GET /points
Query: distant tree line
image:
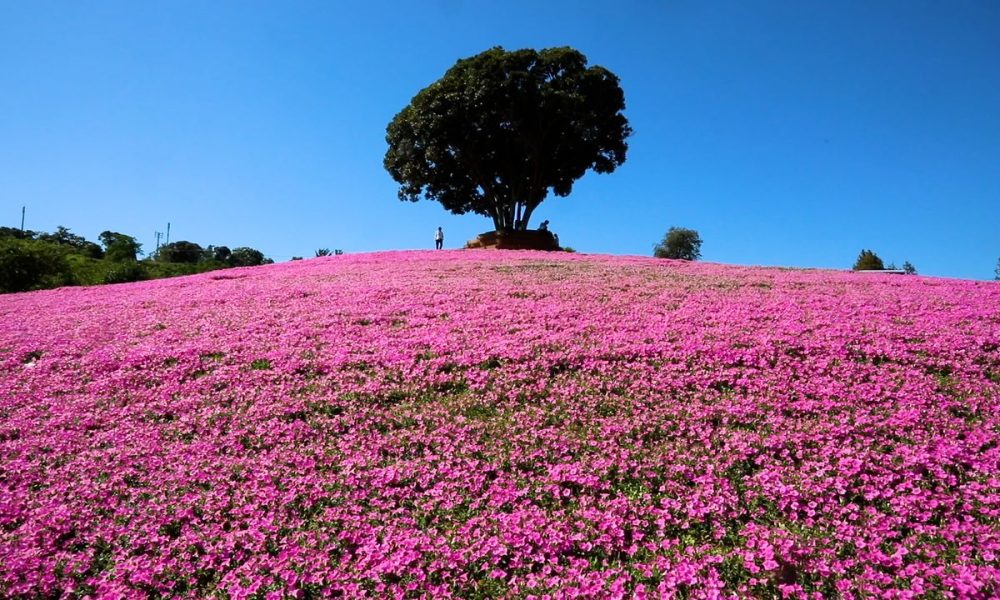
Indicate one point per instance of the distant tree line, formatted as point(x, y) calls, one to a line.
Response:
point(685, 244)
point(869, 261)
point(32, 260)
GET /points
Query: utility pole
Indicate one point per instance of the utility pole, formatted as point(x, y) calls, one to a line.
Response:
point(22, 218)
point(158, 236)
point(168, 232)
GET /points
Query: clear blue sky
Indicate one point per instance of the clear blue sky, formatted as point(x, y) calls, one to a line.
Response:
point(787, 133)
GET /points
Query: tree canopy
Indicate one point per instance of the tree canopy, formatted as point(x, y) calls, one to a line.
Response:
point(868, 261)
point(679, 243)
point(27, 264)
point(64, 237)
point(181, 252)
point(247, 257)
point(32, 260)
point(119, 247)
point(500, 129)
point(220, 253)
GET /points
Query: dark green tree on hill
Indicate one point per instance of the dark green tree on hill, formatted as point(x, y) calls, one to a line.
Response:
point(501, 129)
point(219, 253)
point(246, 257)
point(679, 243)
point(27, 264)
point(908, 268)
point(119, 247)
point(64, 237)
point(868, 261)
point(12, 232)
point(181, 252)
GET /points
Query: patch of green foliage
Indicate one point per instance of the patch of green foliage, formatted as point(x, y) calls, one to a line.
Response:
point(31, 260)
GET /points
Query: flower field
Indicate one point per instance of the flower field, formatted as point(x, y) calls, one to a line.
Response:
point(502, 424)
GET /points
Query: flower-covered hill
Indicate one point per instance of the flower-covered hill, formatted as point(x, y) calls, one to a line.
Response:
point(502, 424)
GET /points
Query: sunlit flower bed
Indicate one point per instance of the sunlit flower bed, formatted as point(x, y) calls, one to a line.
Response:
point(502, 424)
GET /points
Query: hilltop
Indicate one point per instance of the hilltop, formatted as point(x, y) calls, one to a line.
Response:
point(502, 424)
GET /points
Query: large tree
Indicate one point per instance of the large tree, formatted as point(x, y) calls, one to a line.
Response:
point(180, 252)
point(31, 264)
point(246, 257)
point(65, 237)
point(868, 261)
point(119, 247)
point(500, 129)
point(679, 243)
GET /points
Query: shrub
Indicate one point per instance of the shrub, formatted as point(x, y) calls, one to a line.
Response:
point(126, 272)
point(31, 265)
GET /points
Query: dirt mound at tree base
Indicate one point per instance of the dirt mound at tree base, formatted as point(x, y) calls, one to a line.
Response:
point(532, 239)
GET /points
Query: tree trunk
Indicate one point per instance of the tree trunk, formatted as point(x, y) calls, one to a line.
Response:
point(527, 215)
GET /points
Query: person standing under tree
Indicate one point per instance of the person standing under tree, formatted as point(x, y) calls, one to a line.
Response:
point(438, 239)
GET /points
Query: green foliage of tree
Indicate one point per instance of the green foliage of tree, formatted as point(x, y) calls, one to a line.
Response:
point(119, 247)
point(246, 257)
point(500, 129)
point(12, 232)
point(27, 264)
point(126, 272)
point(679, 243)
point(158, 269)
point(33, 260)
point(868, 261)
point(908, 268)
point(91, 250)
point(181, 252)
point(64, 237)
point(219, 253)
point(323, 252)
